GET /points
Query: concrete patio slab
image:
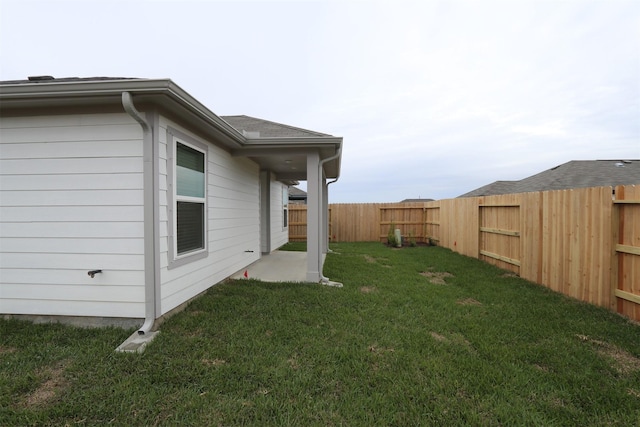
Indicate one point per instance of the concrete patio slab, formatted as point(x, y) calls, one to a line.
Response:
point(278, 266)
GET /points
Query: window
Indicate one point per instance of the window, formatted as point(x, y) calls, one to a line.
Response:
point(187, 194)
point(189, 199)
point(285, 207)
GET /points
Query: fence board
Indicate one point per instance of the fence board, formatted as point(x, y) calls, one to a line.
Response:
point(297, 222)
point(627, 251)
point(531, 232)
point(355, 222)
point(432, 221)
point(500, 232)
point(408, 217)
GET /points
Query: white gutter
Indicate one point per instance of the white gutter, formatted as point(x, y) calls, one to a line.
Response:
point(150, 279)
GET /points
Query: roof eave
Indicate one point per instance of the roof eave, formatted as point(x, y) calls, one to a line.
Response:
point(326, 147)
point(162, 92)
point(254, 146)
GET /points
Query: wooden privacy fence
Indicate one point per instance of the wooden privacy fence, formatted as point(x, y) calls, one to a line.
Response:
point(584, 243)
point(365, 222)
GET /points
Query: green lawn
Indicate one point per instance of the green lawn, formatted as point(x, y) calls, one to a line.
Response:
point(417, 336)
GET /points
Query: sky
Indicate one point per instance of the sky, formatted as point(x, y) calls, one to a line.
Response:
point(433, 98)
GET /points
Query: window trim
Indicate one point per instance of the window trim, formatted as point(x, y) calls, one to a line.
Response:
point(285, 207)
point(175, 137)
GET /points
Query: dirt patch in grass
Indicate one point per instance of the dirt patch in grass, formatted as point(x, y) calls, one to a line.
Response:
point(214, 362)
point(455, 338)
point(468, 301)
point(293, 362)
point(374, 260)
point(439, 337)
point(7, 350)
point(196, 332)
point(367, 289)
point(52, 385)
point(509, 275)
point(623, 361)
point(375, 349)
point(436, 277)
point(381, 356)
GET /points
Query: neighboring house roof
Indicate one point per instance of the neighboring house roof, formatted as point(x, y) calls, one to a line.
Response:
point(296, 193)
point(268, 129)
point(498, 187)
point(573, 174)
point(278, 148)
point(416, 200)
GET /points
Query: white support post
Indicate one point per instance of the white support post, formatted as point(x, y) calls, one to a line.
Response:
point(325, 215)
point(314, 203)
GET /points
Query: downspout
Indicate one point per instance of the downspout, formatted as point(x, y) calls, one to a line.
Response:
point(331, 158)
point(324, 279)
point(328, 184)
point(150, 291)
point(328, 159)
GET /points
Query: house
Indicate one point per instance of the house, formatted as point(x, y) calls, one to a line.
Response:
point(297, 196)
point(573, 174)
point(123, 198)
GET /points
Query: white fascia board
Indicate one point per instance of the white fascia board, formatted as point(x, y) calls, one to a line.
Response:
point(80, 88)
point(265, 146)
point(307, 140)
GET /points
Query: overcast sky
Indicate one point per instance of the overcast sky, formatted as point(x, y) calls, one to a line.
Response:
point(433, 98)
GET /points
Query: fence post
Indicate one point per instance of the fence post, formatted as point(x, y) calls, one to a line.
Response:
point(615, 258)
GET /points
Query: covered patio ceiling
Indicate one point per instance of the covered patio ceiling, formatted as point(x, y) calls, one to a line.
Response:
point(289, 163)
point(283, 149)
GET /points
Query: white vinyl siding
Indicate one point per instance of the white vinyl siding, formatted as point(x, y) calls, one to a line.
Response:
point(233, 230)
point(71, 200)
point(279, 233)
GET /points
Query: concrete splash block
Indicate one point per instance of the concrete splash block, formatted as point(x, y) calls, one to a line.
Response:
point(331, 283)
point(136, 343)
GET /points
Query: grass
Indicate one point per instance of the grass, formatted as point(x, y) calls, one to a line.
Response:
point(417, 336)
point(295, 246)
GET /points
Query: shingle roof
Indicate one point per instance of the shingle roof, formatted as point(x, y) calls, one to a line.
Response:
point(573, 174)
point(268, 129)
point(498, 187)
point(297, 193)
point(50, 79)
point(416, 200)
